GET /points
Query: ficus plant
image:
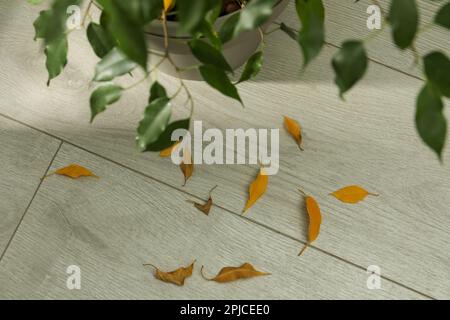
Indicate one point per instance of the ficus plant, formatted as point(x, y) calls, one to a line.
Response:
point(118, 39)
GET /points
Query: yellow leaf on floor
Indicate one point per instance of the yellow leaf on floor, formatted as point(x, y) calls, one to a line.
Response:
point(187, 165)
point(352, 194)
point(294, 128)
point(229, 274)
point(187, 169)
point(177, 276)
point(74, 171)
point(206, 207)
point(315, 220)
point(257, 189)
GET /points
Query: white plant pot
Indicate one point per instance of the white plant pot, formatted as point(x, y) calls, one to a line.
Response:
point(236, 51)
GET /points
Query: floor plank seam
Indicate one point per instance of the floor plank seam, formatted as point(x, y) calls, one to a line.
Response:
point(317, 248)
point(31, 201)
point(382, 64)
point(62, 141)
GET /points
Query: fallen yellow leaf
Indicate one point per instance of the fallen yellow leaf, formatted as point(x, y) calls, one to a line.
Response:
point(229, 274)
point(294, 128)
point(352, 194)
point(187, 165)
point(73, 171)
point(187, 169)
point(177, 276)
point(315, 220)
point(257, 189)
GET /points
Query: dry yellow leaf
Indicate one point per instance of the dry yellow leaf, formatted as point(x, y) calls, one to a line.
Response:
point(315, 220)
point(73, 171)
point(206, 207)
point(229, 274)
point(168, 151)
point(294, 128)
point(352, 194)
point(257, 189)
point(187, 165)
point(187, 169)
point(168, 5)
point(176, 277)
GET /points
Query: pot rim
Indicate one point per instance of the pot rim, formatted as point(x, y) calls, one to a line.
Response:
point(174, 24)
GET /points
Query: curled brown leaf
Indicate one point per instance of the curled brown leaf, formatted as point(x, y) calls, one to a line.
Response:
point(177, 276)
point(228, 274)
point(206, 207)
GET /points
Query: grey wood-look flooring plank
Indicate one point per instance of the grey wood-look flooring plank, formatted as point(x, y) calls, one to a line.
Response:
point(347, 20)
point(368, 140)
point(25, 155)
point(109, 227)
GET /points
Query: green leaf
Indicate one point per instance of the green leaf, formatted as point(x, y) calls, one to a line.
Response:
point(114, 64)
point(51, 24)
point(443, 16)
point(404, 19)
point(104, 96)
point(214, 12)
point(207, 54)
point(40, 24)
point(218, 79)
point(256, 13)
point(142, 11)
point(56, 53)
point(35, 1)
point(350, 65)
point(192, 13)
point(226, 32)
point(252, 67)
point(51, 27)
point(165, 139)
point(156, 118)
point(157, 91)
point(312, 35)
point(437, 70)
point(207, 30)
point(127, 33)
point(430, 120)
point(99, 39)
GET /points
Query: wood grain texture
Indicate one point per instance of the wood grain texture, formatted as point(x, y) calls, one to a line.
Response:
point(368, 140)
point(110, 226)
point(25, 155)
point(347, 20)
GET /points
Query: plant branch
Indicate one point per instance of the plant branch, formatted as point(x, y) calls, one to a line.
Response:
point(146, 75)
point(177, 69)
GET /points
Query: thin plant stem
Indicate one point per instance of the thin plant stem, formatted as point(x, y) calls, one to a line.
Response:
point(177, 69)
point(304, 249)
point(146, 75)
point(203, 275)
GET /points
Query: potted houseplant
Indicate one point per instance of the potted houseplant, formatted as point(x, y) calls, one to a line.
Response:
point(201, 39)
point(236, 51)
